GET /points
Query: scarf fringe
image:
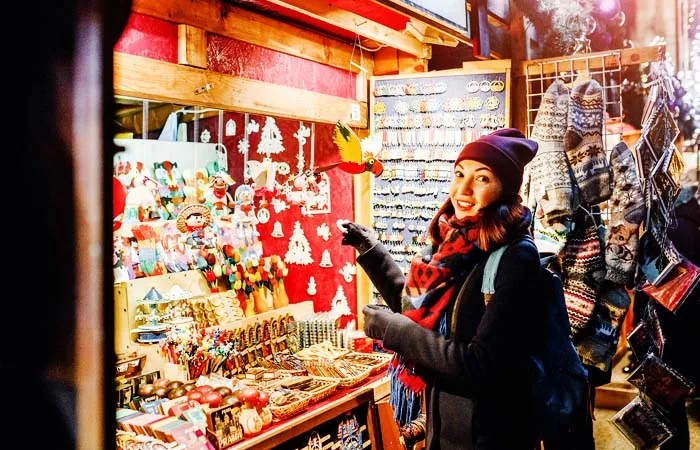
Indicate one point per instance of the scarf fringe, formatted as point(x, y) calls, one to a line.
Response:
point(406, 403)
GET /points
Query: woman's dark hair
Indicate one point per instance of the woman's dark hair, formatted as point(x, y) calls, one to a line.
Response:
point(499, 223)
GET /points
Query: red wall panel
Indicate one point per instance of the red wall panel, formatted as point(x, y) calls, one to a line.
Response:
point(226, 55)
point(150, 38)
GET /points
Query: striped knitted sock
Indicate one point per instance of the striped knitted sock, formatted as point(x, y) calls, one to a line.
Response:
point(583, 271)
point(583, 142)
point(626, 213)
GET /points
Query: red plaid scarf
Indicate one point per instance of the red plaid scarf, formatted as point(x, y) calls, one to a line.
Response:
point(429, 290)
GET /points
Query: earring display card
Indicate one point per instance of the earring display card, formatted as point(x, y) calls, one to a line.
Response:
point(642, 425)
point(660, 382)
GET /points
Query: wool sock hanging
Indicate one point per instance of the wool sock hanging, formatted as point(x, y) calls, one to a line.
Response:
point(583, 142)
point(549, 182)
point(627, 210)
point(599, 344)
point(583, 270)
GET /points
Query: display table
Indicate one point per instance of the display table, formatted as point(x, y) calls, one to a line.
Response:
point(344, 400)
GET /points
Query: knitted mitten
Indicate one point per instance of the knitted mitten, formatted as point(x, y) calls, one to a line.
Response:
point(549, 182)
point(582, 270)
point(583, 142)
point(627, 210)
point(598, 344)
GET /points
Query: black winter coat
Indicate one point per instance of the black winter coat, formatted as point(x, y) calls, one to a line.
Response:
point(478, 376)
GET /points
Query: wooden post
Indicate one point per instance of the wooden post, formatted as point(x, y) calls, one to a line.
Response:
point(191, 46)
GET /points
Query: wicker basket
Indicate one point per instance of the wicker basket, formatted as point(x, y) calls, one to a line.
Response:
point(326, 388)
point(284, 412)
point(349, 382)
point(375, 361)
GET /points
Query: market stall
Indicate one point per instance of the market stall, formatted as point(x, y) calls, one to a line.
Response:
point(236, 308)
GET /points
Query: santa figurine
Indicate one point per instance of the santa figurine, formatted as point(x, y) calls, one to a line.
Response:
point(217, 196)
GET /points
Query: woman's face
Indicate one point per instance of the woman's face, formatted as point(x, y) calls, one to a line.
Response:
point(473, 188)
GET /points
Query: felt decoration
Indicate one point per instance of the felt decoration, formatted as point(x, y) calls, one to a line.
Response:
point(352, 159)
point(549, 184)
point(627, 211)
point(583, 142)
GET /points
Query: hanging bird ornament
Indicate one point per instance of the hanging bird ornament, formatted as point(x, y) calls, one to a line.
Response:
point(352, 159)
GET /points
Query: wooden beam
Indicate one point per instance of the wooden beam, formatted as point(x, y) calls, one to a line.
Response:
point(139, 77)
point(480, 29)
point(191, 46)
point(327, 13)
point(247, 26)
point(592, 61)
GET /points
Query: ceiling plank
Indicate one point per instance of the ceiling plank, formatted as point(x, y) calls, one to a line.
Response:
point(325, 12)
point(247, 26)
point(140, 77)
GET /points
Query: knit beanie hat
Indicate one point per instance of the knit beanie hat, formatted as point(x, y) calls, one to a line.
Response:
point(583, 142)
point(506, 152)
point(550, 185)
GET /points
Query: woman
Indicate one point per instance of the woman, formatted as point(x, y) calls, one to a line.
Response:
point(467, 356)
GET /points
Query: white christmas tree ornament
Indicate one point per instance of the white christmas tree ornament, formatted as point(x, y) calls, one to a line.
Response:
point(323, 231)
point(339, 304)
point(299, 250)
point(271, 138)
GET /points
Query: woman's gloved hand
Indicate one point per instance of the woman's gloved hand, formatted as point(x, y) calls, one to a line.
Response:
point(378, 318)
point(358, 236)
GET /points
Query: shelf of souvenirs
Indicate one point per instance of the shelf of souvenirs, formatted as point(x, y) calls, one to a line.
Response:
point(248, 421)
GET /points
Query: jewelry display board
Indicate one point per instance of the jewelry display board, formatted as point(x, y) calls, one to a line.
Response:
point(423, 121)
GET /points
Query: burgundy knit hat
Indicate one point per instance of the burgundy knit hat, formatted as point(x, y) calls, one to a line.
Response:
point(506, 152)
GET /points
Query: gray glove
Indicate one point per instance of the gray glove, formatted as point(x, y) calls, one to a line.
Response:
point(377, 319)
point(359, 237)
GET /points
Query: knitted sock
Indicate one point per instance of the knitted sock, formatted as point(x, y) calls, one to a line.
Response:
point(626, 208)
point(583, 142)
point(599, 344)
point(549, 182)
point(582, 271)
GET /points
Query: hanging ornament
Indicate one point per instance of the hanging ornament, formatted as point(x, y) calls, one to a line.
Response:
point(205, 136)
point(347, 272)
point(323, 231)
point(311, 286)
point(271, 138)
point(326, 259)
point(301, 135)
point(230, 127)
point(277, 230)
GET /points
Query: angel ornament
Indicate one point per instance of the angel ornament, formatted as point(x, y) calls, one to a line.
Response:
point(217, 196)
